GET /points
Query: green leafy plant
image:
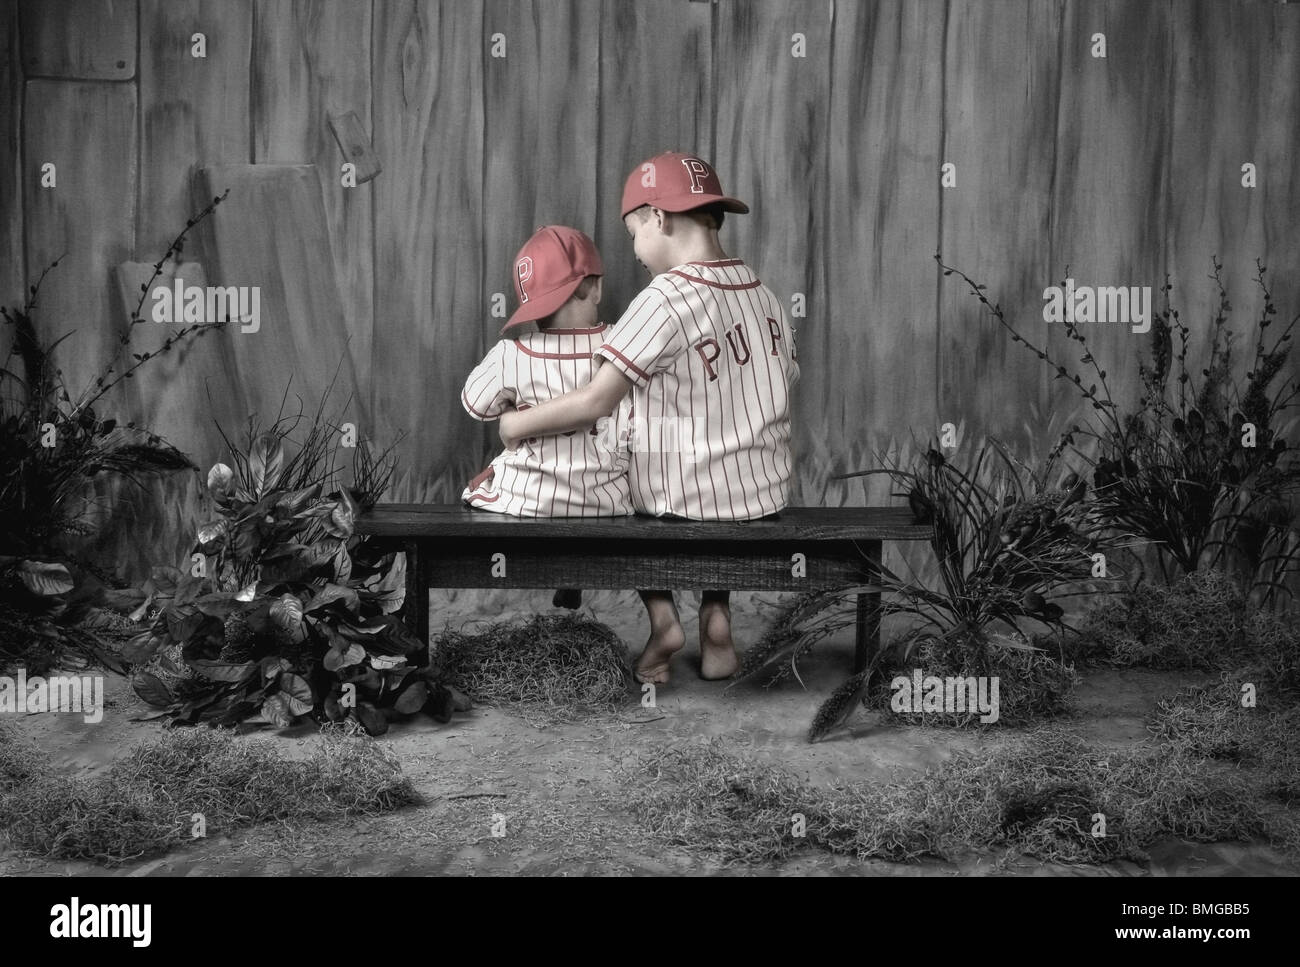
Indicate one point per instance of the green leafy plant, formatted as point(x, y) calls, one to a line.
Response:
point(1200, 469)
point(1007, 549)
point(292, 612)
point(52, 445)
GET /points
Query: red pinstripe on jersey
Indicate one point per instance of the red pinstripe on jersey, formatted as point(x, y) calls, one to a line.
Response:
point(697, 343)
point(571, 475)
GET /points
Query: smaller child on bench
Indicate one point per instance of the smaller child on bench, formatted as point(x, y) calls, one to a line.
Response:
point(557, 281)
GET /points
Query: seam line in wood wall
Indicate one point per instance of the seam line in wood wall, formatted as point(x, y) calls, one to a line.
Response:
point(373, 415)
point(480, 338)
point(939, 375)
point(712, 93)
point(598, 213)
point(16, 48)
point(139, 139)
point(252, 84)
point(824, 294)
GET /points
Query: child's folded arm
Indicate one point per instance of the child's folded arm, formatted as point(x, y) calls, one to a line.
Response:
point(485, 397)
point(575, 410)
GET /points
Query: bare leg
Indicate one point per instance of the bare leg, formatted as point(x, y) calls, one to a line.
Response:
point(717, 650)
point(666, 637)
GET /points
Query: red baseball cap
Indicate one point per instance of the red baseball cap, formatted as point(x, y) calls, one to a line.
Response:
point(548, 269)
point(676, 182)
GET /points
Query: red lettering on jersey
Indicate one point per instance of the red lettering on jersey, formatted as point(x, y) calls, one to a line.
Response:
point(734, 354)
point(709, 360)
point(774, 328)
point(696, 170)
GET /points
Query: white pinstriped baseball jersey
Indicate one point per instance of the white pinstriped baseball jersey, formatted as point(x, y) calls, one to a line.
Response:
point(708, 347)
point(577, 474)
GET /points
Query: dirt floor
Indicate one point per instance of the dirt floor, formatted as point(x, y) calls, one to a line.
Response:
point(554, 785)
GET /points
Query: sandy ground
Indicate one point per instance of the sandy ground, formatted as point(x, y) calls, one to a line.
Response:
point(553, 785)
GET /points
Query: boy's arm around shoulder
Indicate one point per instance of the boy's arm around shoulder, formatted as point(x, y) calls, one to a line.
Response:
point(575, 410)
point(485, 396)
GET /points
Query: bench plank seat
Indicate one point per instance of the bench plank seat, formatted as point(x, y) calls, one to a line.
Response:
point(452, 546)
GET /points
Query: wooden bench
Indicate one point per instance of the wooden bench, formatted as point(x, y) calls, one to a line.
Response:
point(451, 546)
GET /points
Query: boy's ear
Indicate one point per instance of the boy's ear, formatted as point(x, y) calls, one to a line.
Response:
point(596, 290)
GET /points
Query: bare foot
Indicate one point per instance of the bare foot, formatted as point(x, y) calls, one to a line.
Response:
point(717, 650)
point(653, 664)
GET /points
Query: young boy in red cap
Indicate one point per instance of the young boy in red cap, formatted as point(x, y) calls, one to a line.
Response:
point(581, 473)
point(705, 346)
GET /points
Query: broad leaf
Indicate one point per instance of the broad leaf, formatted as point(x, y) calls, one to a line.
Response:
point(152, 691)
point(265, 460)
point(331, 593)
point(371, 719)
point(212, 534)
point(342, 519)
point(224, 671)
point(142, 647)
point(297, 694)
point(221, 483)
point(337, 658)
point(139, 613)
point(412, 699)
point(219, 604)
point(287, 614)
point(45, 579)
point(275, 710)
point(272, 667)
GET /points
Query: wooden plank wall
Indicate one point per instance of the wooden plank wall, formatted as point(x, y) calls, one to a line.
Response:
point(1123, 169)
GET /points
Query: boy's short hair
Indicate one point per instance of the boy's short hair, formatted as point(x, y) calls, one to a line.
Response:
point(706, 216)
point(581, 292)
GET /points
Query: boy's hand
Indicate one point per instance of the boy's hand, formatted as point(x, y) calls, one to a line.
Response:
point(504, 427)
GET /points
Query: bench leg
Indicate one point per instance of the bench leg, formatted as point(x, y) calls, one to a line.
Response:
point(867, 624)
point(415, 607)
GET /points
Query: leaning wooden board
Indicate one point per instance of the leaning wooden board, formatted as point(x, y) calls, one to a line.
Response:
point(271, 233)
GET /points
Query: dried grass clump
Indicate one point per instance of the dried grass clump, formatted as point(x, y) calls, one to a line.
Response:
point(143, 805)
point(1036, 796)
point(551, 668)
point(1033, 686)
point(1212, 723)
point(1199, 622)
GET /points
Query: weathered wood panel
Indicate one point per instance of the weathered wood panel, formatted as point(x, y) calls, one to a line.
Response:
point(1279, 35)
point(871, 373)
point(772, 114)
point(311, 60)
point(1110, 197)
point(656, 65)
point(1235, 102)
point(270, 234)
point(87, 217)
point(79, 39)
point(674, 566)
point(194, 112)
point(87, 130)
point(429, 66)
point(811, 524)
point(999, 97)
point(12, 170)
point(542, 104)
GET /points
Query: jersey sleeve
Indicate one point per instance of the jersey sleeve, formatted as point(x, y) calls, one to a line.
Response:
point(646, 339)
point(485, 396)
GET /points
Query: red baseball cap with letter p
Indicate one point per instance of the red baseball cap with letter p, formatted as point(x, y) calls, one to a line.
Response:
point(676, 182)
point(548, 269)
